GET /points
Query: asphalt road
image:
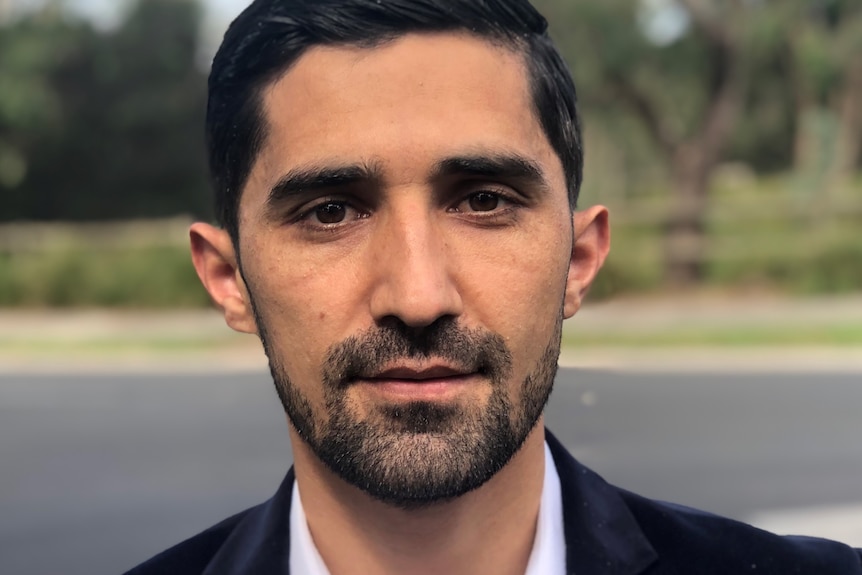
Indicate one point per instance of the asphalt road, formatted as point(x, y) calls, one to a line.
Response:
point(99, 472)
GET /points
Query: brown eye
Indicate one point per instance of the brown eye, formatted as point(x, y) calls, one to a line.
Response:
point(484, 202)
point(331, 213)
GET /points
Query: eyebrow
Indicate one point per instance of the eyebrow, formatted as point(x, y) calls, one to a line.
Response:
point(306, 180)
point(494, 166)
point(309, 180)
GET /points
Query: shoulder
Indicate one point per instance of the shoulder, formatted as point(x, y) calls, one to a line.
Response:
point(252, 541)
point(683, 536)
point(192, 556)
point(606, 525)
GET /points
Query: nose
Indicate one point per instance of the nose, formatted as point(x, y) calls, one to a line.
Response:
point(413, 272)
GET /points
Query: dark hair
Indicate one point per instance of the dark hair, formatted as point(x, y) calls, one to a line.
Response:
point(270, 35)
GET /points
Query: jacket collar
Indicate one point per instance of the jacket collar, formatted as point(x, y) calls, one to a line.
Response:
point(602, 536)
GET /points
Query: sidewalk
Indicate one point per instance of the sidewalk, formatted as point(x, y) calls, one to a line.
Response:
point(718, 310)
point(111, 340)
point(618, 335)
point(718, 332)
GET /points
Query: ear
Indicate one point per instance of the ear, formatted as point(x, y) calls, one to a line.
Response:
point(592, 242)
point(215, 261)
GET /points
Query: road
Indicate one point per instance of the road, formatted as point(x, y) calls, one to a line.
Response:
point(101, 471)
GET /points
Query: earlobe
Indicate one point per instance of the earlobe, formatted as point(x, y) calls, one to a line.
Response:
point(215, 262)
point(590, 248)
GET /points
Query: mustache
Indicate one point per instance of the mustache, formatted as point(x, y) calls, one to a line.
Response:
point(366, 354)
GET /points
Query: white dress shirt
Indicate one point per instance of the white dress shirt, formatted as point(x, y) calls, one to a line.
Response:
point(548, 556)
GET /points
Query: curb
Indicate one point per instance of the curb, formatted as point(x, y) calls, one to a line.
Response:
point(248, 357)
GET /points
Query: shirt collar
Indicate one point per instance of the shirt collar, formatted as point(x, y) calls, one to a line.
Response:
point(548, 556)
point(549, 547)
point(305, 559)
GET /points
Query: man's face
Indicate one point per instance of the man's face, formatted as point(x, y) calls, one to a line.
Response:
point(405, 244)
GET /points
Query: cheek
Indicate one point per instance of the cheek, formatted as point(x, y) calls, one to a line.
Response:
point(520, 290)
point(296, 305)
point(532, 314)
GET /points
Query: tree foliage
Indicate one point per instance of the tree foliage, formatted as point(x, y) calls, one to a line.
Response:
point(103, 125)
point(824, 44)
point(740, 81)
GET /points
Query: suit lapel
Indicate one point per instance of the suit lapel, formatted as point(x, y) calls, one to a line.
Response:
point(261, 542)
point(602, 536)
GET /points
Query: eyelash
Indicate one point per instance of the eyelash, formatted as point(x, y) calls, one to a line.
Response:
point(308, 214)
point(505, 198)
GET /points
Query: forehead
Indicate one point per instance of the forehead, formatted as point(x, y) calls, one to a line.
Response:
point(403, 105)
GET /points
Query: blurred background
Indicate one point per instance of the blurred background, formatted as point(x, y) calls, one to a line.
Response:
point(724, 135)
point(717, 362)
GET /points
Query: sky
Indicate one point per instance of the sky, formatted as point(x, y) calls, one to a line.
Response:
point(108, 12)
point(663, 21)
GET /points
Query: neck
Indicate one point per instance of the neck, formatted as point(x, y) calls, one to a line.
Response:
point(489, 530)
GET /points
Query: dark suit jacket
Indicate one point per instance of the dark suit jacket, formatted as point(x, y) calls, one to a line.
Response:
point(609, 531)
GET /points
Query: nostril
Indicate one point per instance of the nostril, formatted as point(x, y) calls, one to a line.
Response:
point(414, 295)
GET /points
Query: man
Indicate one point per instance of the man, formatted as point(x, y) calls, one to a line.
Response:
point(397, 182)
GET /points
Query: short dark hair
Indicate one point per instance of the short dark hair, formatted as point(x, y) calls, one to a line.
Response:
point(270, 35)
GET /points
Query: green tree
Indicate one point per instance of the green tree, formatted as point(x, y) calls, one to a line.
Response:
point(824, 40)
point(123, 130)
point(30, 107)
point(688, 96)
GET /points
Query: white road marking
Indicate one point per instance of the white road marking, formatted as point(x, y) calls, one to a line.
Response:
point(839, 522)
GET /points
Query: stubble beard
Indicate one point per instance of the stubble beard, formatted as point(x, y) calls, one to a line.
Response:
point(416, 454)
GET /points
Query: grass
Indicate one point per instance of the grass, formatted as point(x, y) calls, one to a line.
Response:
point(728, 337)
point(46, 351)
point(102, 345)
point(849, 335)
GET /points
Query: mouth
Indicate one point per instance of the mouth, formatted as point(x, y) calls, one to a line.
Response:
point(421, 383)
